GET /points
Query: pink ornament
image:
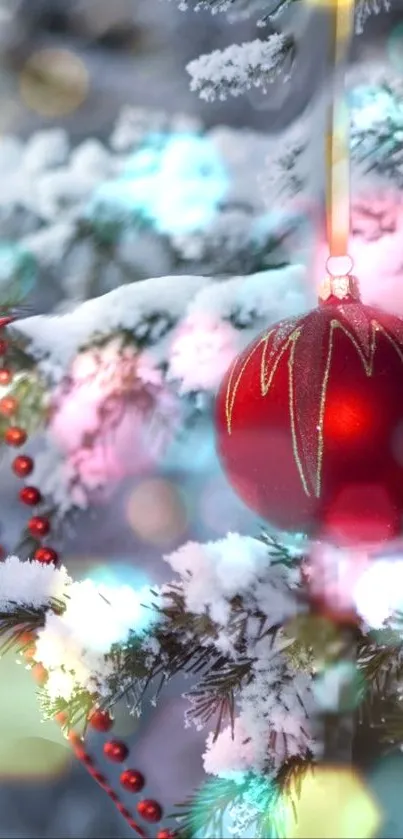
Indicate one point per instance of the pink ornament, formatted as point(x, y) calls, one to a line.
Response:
point(112, 416)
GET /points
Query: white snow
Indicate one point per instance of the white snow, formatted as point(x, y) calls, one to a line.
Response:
point(238, 67)
point(55, 339)
point(30, 583)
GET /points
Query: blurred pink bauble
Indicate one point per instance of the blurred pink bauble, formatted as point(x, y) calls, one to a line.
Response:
point(112, 417)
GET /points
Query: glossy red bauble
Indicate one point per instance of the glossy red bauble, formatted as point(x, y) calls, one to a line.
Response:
point(166, 834)
point(15, 436)
point(39, 526)
point(23, 466)
point(132, 780)
point(116, 751)
point(149, 810)
point(30, 496)
point(310, 424)
point(46, 555)
point(100, 720)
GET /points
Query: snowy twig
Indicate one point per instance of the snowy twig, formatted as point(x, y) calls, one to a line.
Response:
point(238, 68)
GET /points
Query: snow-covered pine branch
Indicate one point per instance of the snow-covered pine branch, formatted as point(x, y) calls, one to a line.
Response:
point(238, 68)
point(365, 8)
point(30, 585)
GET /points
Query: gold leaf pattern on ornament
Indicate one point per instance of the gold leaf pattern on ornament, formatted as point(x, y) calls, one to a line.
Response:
point(234, 379)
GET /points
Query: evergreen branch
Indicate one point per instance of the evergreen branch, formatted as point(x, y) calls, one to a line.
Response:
point(262, 802)
point(203, 813)
point(281, 554)
point(380, 665)
point(238, 68)
point(15, 625)
point(214, 695)
point(69, 714)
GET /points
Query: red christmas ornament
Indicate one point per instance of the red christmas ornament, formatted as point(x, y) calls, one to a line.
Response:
point(166, 834)
point(23, 466)
point(100, 720)
point(132, 780)
point(46, 555)
point(15, 436)
point(5, 376)
point(116, 750)
point(310, 421)
point(149, 810)
point(30, 496)
point(39, 526)
point(8, 406)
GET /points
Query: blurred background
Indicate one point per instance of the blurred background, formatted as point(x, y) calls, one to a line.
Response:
point(72, 65)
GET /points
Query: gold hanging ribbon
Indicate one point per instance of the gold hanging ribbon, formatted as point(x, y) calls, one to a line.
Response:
point(338, 136)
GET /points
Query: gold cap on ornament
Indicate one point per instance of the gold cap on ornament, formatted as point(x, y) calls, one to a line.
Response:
point(342, 288)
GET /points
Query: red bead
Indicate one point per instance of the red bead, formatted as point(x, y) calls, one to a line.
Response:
point(61, 718)
point(30, 496)
point(46, 555)
point(116, 751)
point(23, 465)
point(132, 780)
point(39, 526)
point(166, 834)
point(40, 674)
point(3, 347)
point(8, 406)
point(149, 810)
point(100, 720)
point(5, 376)
point(15, 436)
point(309, 424)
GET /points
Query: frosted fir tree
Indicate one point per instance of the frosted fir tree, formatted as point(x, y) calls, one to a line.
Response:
point(263, 669)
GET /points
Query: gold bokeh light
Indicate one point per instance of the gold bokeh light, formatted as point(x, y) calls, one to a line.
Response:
point(54, 82)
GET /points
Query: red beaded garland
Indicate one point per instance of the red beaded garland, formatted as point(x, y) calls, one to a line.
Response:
point(8, 406)
point(30, 496)
point(39, 526)
point(22, 466)
point(5, 376)
point(15, 436)
point(149, 810)
point(46, 555)
point(132, 780)
point(100, 720)
point(116, 751)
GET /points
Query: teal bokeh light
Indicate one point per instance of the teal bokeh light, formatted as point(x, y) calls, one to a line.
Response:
point(174, 183)
point(18, 273)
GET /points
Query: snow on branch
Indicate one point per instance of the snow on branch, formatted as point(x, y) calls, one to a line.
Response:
point(30, 585)
point(238, 68)
point(365, 8)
